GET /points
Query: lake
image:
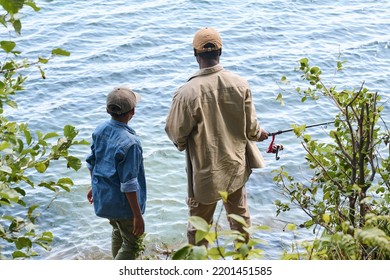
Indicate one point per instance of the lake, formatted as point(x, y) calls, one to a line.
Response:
point(147, 45)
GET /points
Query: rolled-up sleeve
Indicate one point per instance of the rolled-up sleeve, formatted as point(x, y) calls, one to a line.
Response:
point(128, 169)
point(130, 186)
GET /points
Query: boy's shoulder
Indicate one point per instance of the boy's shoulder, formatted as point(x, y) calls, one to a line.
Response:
point(116, 129)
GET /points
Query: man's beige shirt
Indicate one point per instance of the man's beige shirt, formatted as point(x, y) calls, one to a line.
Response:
point(212, 116)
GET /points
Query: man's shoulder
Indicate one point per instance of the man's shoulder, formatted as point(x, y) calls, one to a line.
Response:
point(187, 91)
point(234, 76)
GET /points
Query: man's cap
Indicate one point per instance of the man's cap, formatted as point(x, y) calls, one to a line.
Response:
point(121, 100)
point(206, 36)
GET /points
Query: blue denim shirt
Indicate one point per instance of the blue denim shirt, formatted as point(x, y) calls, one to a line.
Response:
point(117, 167)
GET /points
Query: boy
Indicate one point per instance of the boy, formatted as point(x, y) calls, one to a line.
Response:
point(117, 173)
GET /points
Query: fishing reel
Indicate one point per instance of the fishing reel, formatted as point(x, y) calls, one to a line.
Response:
point(274, 148)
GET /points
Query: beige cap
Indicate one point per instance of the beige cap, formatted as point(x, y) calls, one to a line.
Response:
point(121, 100)
point(205, 36)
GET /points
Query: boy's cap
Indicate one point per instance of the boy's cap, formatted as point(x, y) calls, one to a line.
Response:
point(206, 36)
point(121, 100)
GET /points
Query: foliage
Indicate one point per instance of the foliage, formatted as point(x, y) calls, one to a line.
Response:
point(347, 198)
point(25, 155)
point(242, 249)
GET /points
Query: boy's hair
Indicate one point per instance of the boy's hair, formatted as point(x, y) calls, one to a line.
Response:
point(114, 115)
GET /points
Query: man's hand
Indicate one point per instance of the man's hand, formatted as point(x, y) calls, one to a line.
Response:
point(263, 135)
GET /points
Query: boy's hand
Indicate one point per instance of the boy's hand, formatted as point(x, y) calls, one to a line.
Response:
point(139, 225)
point(89, 196)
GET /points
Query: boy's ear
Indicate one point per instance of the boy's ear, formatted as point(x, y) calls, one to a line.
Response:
point(132, 112)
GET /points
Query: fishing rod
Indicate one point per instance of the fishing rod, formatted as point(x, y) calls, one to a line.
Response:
point(288, 130)
point(275, 148)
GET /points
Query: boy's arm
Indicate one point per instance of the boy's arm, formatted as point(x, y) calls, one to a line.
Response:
point(89, 194)
point(138, 220)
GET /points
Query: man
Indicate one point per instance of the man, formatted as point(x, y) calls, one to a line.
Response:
point(213, 118)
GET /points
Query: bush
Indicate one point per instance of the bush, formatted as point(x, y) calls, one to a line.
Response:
point(347, 198)
point(25, 155)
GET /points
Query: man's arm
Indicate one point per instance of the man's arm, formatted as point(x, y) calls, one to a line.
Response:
point(253, 130)
point(179, 124)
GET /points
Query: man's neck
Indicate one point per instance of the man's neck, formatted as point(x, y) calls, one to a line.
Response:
point(203, 63)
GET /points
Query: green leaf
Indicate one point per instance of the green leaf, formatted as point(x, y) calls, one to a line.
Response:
point(199, 252)
point(65, 181)
point(238, 218)
point(31, 209)
point(60, 52)
point(284, 80)
point(27, 134)
point(254, 241)
point(199, 223)
point(32, 5)
point(23, 242)
point(244, 249)
point(291, 227)
point(254, 229)
point(12, 6)
point(224, 196)
point(200, 235)
point(6, 169)
point(19, 254)
point(4, 145)
point(47, 236)
point(43, 60)
point(48, 185)
point(41, 166)
point(17, 26)
point(9, 194)
point(7, 46)
point(279, 98)
point(182, 253)
point(211, 236)
point(326, 218)
point(82, 142)
point(216, 253)
point(50, 135)
point(70, 131)
point(73, 162)
point(315, 70)
point(42, 72)
point(9, 66)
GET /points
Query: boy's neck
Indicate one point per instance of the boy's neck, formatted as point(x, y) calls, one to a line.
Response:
point(122, 119)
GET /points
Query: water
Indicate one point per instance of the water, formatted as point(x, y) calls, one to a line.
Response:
point(147, 45)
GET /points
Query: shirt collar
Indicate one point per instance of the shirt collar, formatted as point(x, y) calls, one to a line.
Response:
point(121, 124)
point(207, 71)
